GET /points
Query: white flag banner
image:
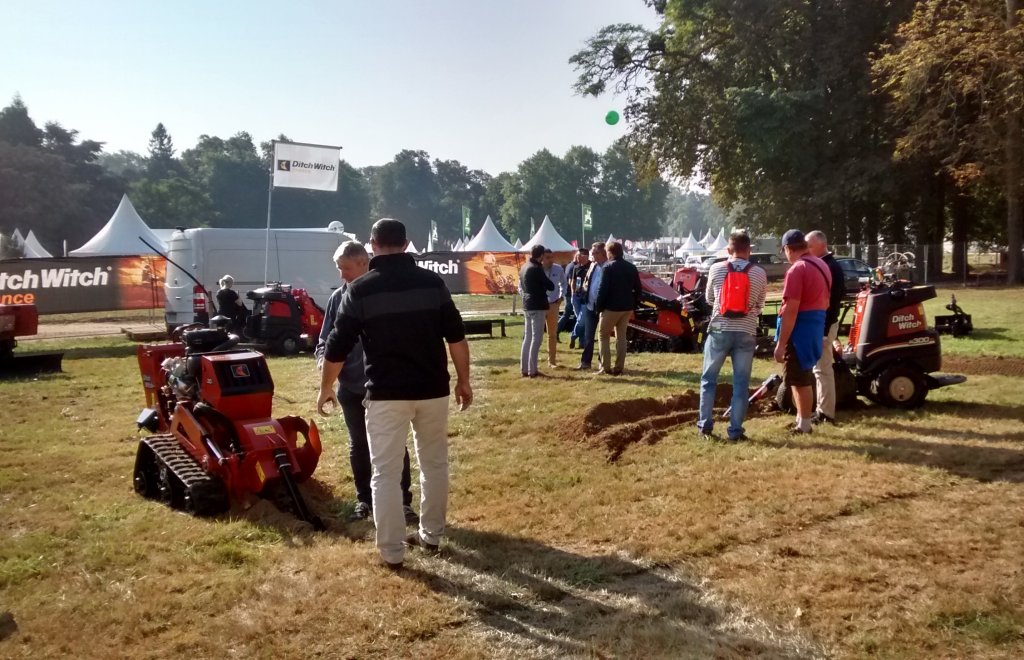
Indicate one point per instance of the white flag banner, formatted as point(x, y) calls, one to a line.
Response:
point(306, 166)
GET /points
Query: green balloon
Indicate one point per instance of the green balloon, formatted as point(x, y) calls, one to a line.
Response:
point(611, 118)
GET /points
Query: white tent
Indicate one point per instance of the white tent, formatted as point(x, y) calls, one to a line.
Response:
point(488, 239)
point(17, 237)
point(33, 249)
point(549, 237)
point(458, 246)
point(719, 243)
point(518, 244)
point(121, 235)
point(611, 239)
point(708, 239)
point(412, 248)
point(691, 244)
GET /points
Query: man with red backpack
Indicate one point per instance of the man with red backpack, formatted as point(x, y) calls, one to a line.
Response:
point(735, 290)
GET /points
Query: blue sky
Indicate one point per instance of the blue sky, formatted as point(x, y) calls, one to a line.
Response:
point(484, 82)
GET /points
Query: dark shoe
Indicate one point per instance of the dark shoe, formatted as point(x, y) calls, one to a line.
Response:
point(362, 511)
point(537, 375)
point(414, 540)
point(822, 418)
point(572, 344)
point(583, 367)
point(396, 567)
point(616, 372)
point(411, 518)
point(742, 437)
point(707, 437)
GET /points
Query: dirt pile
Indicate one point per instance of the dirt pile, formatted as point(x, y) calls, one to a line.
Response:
point(615, 425)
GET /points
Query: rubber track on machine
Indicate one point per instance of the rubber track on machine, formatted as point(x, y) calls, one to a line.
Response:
point(207, 491)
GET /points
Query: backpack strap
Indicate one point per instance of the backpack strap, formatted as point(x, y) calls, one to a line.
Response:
point(817, 268)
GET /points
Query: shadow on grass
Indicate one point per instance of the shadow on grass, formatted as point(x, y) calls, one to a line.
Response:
point(539, 599)
point(983, 464)
point(987, 333)
point(971, 410)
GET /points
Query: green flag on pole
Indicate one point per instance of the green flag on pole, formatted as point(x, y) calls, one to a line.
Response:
point(533, 229)
point(466, 228)
point(588, 216)
point(433, 230)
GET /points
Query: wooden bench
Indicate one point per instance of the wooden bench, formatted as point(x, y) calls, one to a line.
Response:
point(483, 326)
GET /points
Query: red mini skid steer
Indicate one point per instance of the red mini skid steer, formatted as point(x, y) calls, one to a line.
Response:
point(217, 441)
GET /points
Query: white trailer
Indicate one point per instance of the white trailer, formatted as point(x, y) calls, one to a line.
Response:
point(300, 257)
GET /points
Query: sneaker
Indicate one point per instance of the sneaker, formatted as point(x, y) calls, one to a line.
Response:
point(822, 418)
point(707, 437)
point(616, 372)
point(414, 540)
point(796, 430)
point(583, 367)
point(742, 437)
point(411, 517)
point(392, 566)
point(572, 343)
point(362, 511)
point(553, 365)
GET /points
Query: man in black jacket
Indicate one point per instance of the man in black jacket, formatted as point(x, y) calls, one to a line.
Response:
point(617, 297)
point(534, 285)
point(404, 315)
point(824, 372)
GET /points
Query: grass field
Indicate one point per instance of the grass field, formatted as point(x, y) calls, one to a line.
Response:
point(574, 532)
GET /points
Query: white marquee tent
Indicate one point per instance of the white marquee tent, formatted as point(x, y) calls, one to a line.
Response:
point(549, 237)
point(120, 236)
point(488, 239)
point(458, 246)
point(518, 244)
point(33, 248)
point(719, 243)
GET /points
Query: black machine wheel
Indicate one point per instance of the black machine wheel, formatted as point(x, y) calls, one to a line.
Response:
point(900, 386)
point(289, 344)
point(784, 396)
point(145, 478)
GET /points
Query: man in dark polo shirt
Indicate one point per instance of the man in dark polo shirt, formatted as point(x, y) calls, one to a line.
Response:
point(403, 314)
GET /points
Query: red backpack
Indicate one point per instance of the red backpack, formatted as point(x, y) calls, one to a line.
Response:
point(732, 303)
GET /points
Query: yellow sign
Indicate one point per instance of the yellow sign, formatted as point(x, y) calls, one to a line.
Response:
point(264, 429)
point(259, 473)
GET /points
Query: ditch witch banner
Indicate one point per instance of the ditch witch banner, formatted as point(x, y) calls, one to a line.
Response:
point(476, 272)
point(87, 284)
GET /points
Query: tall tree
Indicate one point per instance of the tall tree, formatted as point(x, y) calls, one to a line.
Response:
point(16, 127)
point(406, 189)
point(955, 74)
point(161, 163)
point(769, 102)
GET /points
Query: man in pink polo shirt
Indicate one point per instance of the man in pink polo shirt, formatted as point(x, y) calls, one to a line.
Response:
point(805, 297)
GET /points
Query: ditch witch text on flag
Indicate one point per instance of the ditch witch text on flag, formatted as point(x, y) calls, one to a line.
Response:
point(306, 166)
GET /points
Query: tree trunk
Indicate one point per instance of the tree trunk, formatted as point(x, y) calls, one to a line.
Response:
point(1014, 170)
point(962, 212)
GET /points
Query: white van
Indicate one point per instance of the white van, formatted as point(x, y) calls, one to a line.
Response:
point(300, 257)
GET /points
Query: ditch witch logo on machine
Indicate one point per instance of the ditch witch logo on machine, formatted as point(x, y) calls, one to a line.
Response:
point(906, 321)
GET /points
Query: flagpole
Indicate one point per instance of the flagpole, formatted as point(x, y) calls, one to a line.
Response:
point(270, 199)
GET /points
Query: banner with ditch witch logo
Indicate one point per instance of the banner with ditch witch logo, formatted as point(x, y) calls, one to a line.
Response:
point(476, 272)
point(86, 284)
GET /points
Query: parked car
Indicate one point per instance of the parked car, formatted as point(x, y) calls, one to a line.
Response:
point(775, 267)
point(856, 273)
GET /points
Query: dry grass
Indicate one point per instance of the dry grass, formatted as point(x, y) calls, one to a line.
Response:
point(896, 534)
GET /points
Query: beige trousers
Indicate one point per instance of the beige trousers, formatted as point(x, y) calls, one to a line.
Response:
point(616, 322)
point(825, 375)
point(551, 325)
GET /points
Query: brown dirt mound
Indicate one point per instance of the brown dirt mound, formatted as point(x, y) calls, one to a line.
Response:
point(615, 425)
point(984, 366)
